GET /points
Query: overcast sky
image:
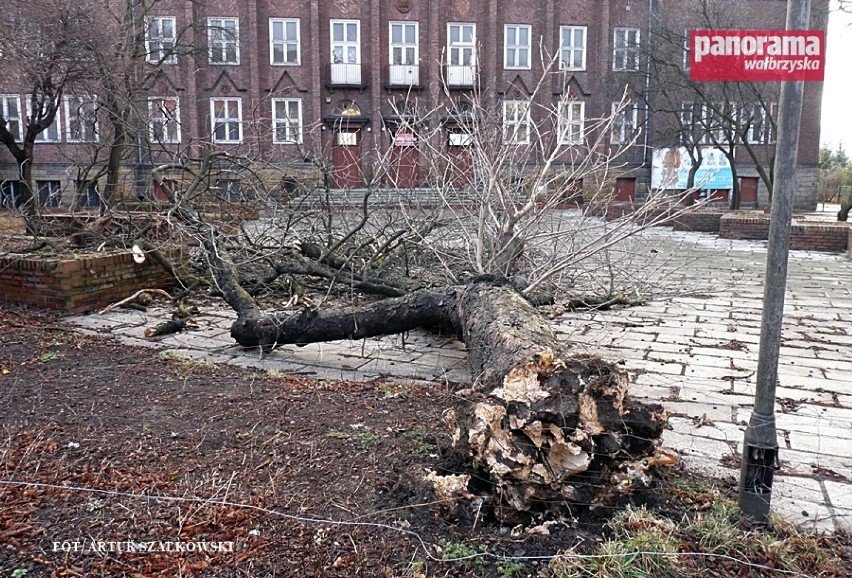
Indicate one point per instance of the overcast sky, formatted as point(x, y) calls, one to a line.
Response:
point(837, 91)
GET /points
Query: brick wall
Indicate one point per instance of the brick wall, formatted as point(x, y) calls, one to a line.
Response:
point(744, 226)
point(829, 237)
point(849, 244)
point(702, 221)
point(615, 211)
point(82, 283)
point(823, 237)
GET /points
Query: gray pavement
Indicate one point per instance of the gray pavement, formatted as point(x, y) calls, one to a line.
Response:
point(694, 350)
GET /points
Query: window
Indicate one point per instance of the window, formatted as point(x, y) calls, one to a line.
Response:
point(624, 123)
point(572, 48)
point(10, 194)
point(89, 192)
point(571, 122)
point(229, 190)
point(81, 118)
point(160, 39)
point(52, 133)
point(517, 46)
point(49, 193)
point(346, 41)
point(286, 120)
point(403, 43)
point(165, 119)
point(224, 36)
point(284, 41)
point(460, 139)
point(759, 124)
point(516, 122)
point(461, 44)
point(404, 69)
point(689, 123)
point(716, 120)
point(10, 109)
point(227, 119)
point(625, 52)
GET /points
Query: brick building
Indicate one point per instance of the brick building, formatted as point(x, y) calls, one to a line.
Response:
point(346, 81)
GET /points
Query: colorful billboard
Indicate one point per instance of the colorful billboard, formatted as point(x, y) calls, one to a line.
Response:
point(670, 169)
point(756, 55)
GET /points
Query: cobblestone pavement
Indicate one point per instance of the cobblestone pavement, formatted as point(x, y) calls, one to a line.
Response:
point(695, 351)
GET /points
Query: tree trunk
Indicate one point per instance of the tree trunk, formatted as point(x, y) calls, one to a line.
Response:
point(845, 204)
point(548, 428)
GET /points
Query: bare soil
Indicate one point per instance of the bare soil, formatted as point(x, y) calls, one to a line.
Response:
point(102, 442)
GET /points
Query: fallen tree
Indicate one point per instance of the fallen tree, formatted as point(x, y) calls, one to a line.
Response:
point(548, 427)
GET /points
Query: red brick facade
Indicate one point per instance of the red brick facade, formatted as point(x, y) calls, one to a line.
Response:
point(253, 85)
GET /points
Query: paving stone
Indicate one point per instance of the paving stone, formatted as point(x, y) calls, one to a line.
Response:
point(800, 501)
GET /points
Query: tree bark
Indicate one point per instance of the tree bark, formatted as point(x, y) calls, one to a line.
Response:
point(548, 428)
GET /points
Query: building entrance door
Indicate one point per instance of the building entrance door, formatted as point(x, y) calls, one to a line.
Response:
point(748, 192)
point(625, 190)
point(346, 160)
point(461, 163)
point(404, 160)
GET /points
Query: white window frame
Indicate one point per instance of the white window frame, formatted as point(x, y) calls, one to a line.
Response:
point(689, 123)
point(291, 126)
point(285, 42)
point(54, 194)
point(226, 120)
point(456, 51)
point(515, 119)
point(623, 132)
point(345, 44)
point(217, 26)
point(69, 118)
point(51, 134)
point(766, 134)
point(571, 63)
point(517, 48)
point(160, 48)
point(573, 122)
point(625, 55)
point(403, 46)
point(18, 118)
point(160, 116)
point(713, 130)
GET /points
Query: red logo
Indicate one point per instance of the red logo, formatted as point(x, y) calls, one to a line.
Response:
point(757, 55)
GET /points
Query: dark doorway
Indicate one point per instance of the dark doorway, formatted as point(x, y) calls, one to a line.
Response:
point(625, 190)
point(748, 191)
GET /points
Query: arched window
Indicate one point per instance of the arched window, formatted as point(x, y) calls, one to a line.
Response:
point(347, 108)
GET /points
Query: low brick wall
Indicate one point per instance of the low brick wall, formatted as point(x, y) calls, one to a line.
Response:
point(828, 237)
point(615, 211)
point(744, 226)
point(125, 225)
point(80, 284)
point(702, 221)
point(849, 244)
point(832, 238)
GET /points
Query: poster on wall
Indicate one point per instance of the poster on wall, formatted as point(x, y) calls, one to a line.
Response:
point(670, 169)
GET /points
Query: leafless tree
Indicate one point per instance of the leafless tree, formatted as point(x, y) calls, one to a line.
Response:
point(727, 116)
point(45, 46)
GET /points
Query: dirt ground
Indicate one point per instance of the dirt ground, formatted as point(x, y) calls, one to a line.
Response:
point(285, 475)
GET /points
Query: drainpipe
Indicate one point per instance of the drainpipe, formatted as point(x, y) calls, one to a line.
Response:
point(646, 159)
